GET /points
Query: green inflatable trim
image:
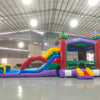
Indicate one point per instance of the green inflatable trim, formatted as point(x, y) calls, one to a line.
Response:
point(53, 67)
point(75, 64)
point(7, 66)
point(1, 68)
point(95, 37)
point(63, 35)
point(53, 53)
point(57, 42)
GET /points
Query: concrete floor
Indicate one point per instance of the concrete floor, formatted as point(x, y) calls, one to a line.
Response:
point(49, 88)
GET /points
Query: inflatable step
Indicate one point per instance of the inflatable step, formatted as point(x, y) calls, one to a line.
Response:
point(84, 74)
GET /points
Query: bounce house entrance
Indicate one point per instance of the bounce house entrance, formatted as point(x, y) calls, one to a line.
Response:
point(81, 65)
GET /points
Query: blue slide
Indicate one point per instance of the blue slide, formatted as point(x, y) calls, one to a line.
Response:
point(41, 68)
point(13, 72)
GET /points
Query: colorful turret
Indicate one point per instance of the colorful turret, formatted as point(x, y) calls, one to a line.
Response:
point(57, 41)
point(96, 38)
point(63, 50)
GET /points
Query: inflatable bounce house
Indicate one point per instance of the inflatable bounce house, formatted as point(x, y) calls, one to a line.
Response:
point(56, 63)
point(4, 68)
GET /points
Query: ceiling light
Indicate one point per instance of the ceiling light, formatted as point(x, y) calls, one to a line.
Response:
point(41, 33)
point(45, 44)
point(73, 23)
point(1, 18)
point(37, 31)
point(27, 2)
point(93, 2)
point(35, 42)
point(21, 44)
point(33, 22)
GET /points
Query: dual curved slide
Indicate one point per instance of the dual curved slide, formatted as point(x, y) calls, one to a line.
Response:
point(43, 67)
point(41, 58)
point(84, 73)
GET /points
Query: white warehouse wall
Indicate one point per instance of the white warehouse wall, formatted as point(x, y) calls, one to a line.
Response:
point(14, 61)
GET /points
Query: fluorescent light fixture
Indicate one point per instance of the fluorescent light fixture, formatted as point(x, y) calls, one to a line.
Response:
point(1, 18)
point(41, 33)
point(33, 22)
point(27, 2)
point(13, 49)
point(93, 2)
point(37, 31)
point(73, 23)
point(35, 43)
point(45, 44)
point(21, 44)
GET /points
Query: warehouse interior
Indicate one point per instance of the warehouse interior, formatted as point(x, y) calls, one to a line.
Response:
point(29, 28)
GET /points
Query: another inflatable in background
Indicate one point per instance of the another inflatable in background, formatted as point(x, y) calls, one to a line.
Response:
point(4, 68)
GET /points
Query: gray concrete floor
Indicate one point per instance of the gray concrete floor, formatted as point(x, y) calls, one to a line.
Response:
point(49, 88)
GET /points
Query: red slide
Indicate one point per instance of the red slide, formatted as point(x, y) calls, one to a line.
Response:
point(34, 58)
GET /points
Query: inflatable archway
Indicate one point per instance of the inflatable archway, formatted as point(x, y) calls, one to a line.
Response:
point(31, 59)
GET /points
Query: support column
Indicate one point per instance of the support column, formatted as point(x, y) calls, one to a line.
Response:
point(98, 52)
point(62, 53)
point(63, 50)
point(96, 38)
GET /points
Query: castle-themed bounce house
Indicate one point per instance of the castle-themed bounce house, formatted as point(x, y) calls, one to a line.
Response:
point(56, 62)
